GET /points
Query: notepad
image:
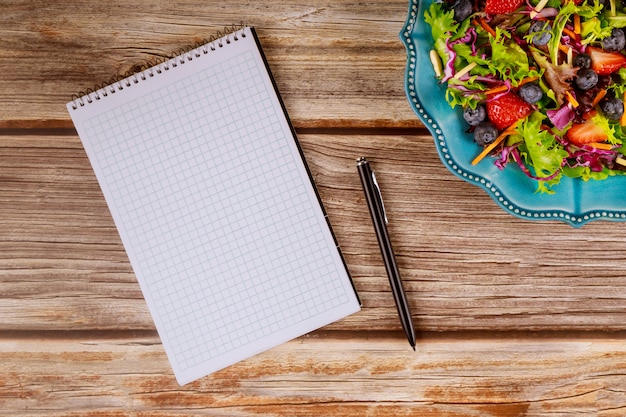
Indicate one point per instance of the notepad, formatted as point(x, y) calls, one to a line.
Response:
point(215, 205)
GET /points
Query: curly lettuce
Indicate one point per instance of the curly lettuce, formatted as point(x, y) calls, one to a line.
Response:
point(541, 150)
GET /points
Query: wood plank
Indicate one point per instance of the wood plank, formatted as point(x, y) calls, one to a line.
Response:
point(466, 264)
point(336, 63)
point(322, 375)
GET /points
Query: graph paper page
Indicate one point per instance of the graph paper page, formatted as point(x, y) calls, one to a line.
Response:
point(215, 207)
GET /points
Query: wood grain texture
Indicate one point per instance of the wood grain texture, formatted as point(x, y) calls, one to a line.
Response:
point(516, 318)
point(62, 264)
point(320, 376)
point(336, 63)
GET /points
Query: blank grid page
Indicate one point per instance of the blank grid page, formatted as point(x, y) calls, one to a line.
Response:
point(216, 211)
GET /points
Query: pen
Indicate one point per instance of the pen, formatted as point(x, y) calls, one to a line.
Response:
point(379, 218)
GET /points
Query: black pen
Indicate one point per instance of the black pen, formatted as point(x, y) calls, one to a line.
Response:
point(379, 218)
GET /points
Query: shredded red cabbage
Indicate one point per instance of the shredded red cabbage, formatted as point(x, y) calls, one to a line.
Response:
point(561, 117)
point(518, 158)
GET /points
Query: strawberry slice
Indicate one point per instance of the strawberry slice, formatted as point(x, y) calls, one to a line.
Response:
point(605, 63)
point(502, 6)
point(507, 109)
point(585, 133)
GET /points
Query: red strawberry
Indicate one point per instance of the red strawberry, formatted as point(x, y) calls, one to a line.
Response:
point(502, 6)
point(604, 62)
point(507, 109)
point(586, 133)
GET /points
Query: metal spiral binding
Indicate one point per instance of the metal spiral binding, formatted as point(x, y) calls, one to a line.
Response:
point(150, 68)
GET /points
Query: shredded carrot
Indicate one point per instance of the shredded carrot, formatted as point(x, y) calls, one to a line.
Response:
point(563, 48)
point(598, 97)
point(577, 24)
point(569, 33)
point(486, 26)
point(603, 146)
point(622, 120)
point(503, 88)
point(508, 131)
point(496, 90)
point(570, 98)
point(527, 80)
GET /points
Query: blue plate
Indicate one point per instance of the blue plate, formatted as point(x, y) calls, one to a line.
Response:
point(575, 202)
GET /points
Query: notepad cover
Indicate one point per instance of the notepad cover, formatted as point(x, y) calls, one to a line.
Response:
point(215, 205)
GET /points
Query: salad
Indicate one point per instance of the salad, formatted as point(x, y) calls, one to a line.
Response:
point(541, 83)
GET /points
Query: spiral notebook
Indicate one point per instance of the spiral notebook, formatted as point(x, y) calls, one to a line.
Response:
point(215, 205)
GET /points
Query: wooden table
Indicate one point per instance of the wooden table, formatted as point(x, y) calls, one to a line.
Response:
point(516, 318)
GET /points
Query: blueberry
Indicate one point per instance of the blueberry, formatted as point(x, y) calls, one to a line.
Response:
point(541, 32)
point(462, 9)
point(613, 108)
point(485, 133)
point(615, 42)
point(582, 61)
point(474, 116)
point(530, 93)
point(586, 79)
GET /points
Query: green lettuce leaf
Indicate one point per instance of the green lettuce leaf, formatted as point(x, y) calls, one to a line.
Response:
point(603, 122)
point(594, 29)
point(442, 24)
point(588, 12)
point(508, 59)
point(542, 150)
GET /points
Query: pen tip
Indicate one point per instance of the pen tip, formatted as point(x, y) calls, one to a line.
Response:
point(413, 346)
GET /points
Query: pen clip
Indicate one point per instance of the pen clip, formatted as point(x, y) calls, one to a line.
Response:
point(380, 197)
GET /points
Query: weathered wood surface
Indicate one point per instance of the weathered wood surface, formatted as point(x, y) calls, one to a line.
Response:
point(336, 63)
point(466, 264)
point(321, 376)
point(517, 318)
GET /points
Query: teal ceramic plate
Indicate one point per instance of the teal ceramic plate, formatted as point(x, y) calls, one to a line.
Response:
point(575, 202)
